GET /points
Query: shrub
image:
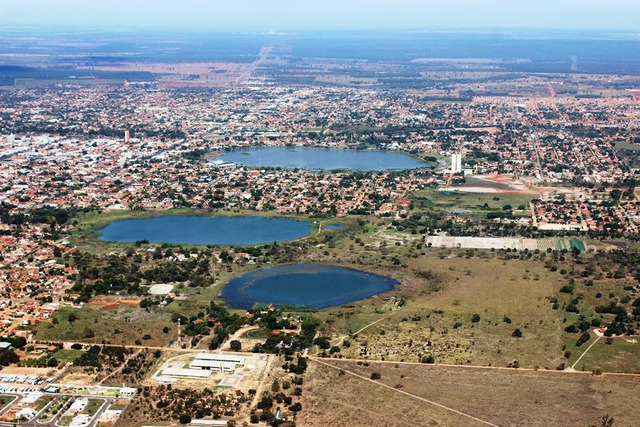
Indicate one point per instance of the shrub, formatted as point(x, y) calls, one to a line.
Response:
point(583, 339)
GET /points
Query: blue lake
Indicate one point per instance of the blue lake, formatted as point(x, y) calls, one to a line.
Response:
point(334, 227)
point(303, 285)
point(322, 158)
point(204, 230)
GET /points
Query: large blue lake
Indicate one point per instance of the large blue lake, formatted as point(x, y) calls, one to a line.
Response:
point(303, 285)
point(322, 158)
point(204, 230)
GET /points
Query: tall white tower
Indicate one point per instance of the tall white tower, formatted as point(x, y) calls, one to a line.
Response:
point(456, 163)
point(574, 62)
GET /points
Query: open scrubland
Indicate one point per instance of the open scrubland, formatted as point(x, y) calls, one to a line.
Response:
point(464, 311)
point(425, 395)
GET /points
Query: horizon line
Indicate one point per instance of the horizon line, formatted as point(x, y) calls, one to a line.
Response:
point(286, 30)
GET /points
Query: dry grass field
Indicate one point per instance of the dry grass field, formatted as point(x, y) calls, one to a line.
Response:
point(501, 397)
point(126, 325)
point(437, 319)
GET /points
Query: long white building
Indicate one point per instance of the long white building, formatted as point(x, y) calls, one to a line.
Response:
point(217, 362)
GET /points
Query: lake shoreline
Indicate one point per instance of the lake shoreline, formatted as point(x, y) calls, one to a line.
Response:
point(205, 230)
point(304, 286)
point(320, 159)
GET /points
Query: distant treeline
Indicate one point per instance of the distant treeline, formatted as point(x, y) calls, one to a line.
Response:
point(9, 73)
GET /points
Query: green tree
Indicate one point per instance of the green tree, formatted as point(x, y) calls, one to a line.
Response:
point(296, 407)
point(8, 356)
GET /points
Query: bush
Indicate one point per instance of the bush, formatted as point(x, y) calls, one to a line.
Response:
point(572, 329)
point(517, 333)
point(322, 342)
point(583, 339)
point(475, 318)
point(375, 376)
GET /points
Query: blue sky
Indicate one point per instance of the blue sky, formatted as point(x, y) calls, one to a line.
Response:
point(281, 15)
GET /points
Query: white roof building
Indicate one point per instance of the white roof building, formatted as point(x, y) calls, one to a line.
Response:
point(79, 405)
point(213, 365)
point(80, 420)
point(187, 373)
point(217, 362)
point(238, 360)
point(26, 413)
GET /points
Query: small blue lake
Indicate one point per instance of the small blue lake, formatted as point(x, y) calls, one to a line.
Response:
point(303, 286)
point(204, 230)
point(334, 227)
point(322, 158)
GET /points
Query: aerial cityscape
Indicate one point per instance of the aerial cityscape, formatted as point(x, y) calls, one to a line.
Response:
point(266, 213)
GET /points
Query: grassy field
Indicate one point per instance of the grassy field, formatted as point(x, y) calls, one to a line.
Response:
point(93, 406)
point(42, 402)
point(437, 319)
point(5, 400)
point(444, 289)
point(473, 202)
point(122, 326)
point(67, 355)
point(622, 355)
point(624, 145)
point(504, 397)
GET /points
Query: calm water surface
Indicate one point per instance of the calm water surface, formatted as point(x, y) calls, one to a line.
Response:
point(322, 159)
point(304, 285)
point(205, 230)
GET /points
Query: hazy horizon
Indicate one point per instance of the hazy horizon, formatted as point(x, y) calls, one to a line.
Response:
point(287, 15)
